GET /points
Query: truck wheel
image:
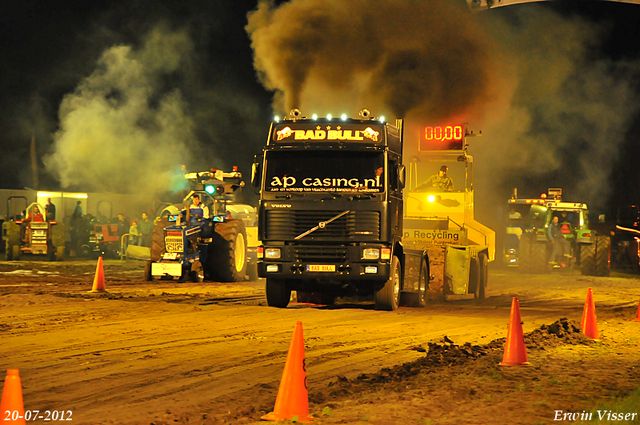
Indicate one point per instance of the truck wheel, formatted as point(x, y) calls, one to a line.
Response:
point(603, 255)
point(148, 277)
point(474, 276)
point(588, 259)
point(388, 297)
point(278, 293)
point(227, 260)
point(197, 272)
point(423, 282)
point(483, 276)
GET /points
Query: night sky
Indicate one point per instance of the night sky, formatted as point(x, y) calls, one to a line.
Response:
point(118, 94)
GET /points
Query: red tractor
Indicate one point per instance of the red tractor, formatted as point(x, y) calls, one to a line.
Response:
point(32, 235)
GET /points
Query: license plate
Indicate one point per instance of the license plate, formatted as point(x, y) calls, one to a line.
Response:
point(321, 267)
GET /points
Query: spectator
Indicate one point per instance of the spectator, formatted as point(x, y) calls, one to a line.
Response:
point(77, 213)
point(560, 244)
point(123, 229)
point(134, 233)
point(146, 230)
point(50, 210)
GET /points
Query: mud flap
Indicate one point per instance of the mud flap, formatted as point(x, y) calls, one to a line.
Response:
point(456, 269)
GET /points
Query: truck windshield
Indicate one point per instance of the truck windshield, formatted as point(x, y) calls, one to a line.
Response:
point(325, 171)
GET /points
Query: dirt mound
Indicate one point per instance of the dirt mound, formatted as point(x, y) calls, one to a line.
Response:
point(447, 353)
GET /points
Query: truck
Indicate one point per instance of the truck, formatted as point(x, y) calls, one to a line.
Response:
point(186, 245)
point(588, 251)
point(332, 218)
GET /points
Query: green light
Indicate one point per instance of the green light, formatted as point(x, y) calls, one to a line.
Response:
point(210, 189)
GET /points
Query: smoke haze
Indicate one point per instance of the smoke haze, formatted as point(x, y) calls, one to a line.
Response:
point(119, 129)
point(553, 112)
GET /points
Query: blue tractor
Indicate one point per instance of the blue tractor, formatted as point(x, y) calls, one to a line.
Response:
point(201, 242)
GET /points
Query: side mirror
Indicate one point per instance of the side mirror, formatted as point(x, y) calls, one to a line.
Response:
point(256, 171)
point(402, 176)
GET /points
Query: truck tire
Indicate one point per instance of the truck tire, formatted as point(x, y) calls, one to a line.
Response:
point(60, 253)
point(388, 297)
point(483, 276)
point(474, 277)
point(603, 255)
point(588, 259)
point(227, 260)
point(278, 293)
point(423, 283)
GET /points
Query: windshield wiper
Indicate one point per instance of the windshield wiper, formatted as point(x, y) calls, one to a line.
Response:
point(321, 225)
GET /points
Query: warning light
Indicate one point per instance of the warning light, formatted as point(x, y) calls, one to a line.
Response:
point(447, 137)
point(543, 196)
point(210, 189)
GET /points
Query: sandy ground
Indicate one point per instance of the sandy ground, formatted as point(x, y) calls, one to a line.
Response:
point(181, 353)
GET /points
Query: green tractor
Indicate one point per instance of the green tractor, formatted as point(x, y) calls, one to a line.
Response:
point(587, 251)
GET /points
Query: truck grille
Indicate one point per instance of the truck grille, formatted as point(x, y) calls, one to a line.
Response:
point(320, 254)
point(353, 226)
point(173, 244)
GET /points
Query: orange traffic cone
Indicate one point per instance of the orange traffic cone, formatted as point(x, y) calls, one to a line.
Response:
point(515, 352)
point(12, 400)
point(589, 322)
point(292, 401)
point(637, 319)
point(98, 280)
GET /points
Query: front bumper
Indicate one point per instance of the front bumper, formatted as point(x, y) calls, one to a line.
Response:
point(325, 263)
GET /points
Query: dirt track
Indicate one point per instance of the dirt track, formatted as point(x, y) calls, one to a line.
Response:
point(161, 352)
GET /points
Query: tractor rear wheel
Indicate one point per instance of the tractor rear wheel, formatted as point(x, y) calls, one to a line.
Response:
point(603, 255)
point(525, 260)
point(197, 272)
point(588, 259)
point(148, 277)
point(227, 260)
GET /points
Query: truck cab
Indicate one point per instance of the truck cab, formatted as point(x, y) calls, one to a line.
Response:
point(330, 213)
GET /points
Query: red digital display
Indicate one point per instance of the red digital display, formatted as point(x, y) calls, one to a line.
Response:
point(442, 137)
point(445, 134)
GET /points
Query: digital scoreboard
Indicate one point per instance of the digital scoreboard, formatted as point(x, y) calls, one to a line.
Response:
point(446, 137)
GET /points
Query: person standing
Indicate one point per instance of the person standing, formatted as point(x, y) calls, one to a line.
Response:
point(50, 210)
point(560, 244)
point(146, 230)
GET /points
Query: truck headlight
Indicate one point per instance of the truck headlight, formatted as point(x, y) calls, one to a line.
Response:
point(272, 253)
point(370, 254)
